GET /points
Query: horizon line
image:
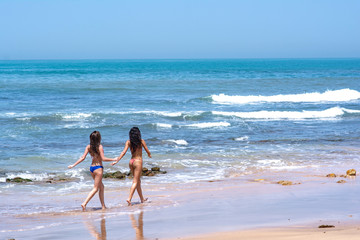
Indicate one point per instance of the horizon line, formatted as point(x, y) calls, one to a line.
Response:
point(142, 59)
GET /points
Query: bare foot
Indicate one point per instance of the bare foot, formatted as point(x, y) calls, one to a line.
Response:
point(144, 200)
point(129, 202)
point(104, 207)
point(83, 207)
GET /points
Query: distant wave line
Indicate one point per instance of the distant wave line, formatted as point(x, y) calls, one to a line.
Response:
point(178, 142)
point(208, 124)
point(343, 95)
point(86, 115)
point(195, 125)
point(328, 113)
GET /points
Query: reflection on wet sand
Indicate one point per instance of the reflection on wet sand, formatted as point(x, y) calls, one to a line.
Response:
point(136, 220)
point(138, 225)
point(93, 230)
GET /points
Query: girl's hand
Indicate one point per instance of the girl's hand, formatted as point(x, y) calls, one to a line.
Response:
point(149, 155)
point(113, 163)
point(70, 166)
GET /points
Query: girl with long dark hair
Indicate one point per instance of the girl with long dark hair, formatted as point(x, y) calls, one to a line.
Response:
point(96, 151)
point(136, 144)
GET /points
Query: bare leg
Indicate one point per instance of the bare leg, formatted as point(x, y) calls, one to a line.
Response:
point(101, 195)
point(139, 190)
point(136, 170)
point(90, 195)
point(97, 176)
point(132, 172)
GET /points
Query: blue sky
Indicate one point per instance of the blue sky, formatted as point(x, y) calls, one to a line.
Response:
point(138, 29)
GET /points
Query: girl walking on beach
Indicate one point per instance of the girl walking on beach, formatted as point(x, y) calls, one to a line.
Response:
point(96, 169)
point(136, 144)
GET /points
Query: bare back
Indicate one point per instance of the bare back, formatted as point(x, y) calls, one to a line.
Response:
point(96, 158)
point(137, 153)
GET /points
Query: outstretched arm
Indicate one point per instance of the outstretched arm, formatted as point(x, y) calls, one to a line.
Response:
point(82, 158)
point(105, 159)
point(146, 148)
point(122, 154)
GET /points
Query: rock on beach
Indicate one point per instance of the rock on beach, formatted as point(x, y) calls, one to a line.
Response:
point(351, 172)
point(331, 175)
point(116, 175)
point(18, 180)
point(154, 171)
point(145, 172)
point(285, 183)
point(326, 226)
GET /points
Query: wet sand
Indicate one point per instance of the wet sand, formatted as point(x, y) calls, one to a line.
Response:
point(344, 232)
point(243, 207)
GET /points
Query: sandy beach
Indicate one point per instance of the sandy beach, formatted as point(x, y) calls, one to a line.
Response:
point(346, 232)
point(238, 208)
point(250, 111)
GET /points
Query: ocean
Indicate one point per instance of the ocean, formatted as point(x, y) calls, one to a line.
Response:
point(203, 120)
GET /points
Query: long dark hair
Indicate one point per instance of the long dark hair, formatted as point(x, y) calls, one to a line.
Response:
point(95, 139)
point(135, 138)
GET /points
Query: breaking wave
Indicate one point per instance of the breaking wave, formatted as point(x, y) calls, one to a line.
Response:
point(178, 142)
point(343, 95)
point(324, 114)
point(208, 125)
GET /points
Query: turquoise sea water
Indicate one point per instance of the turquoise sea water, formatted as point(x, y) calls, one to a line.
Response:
point(202, 119)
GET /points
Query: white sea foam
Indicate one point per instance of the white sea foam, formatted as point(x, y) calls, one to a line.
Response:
point(178, 142)
point(23, 119)
point(77, 125)
point(269, 161)
point(162, 113)
point(170, 114)
point(208, 125)
point(13, 114)
point(286, 167)
point(167, 113)
point(350, 110)
point(74, 187)
point(28, 175)
point(163, 125)
point(83, 116)
point(343, 95)
point(75, 173)
point(244, 138)
point(31, 229)
point(76, 116)
point(324, 114)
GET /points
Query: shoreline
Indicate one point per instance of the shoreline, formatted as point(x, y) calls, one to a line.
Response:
point(205, 210)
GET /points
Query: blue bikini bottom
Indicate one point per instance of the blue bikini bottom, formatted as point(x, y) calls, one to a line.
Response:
point(93, 168)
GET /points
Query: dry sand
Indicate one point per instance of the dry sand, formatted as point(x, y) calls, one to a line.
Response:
point(348, 233)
